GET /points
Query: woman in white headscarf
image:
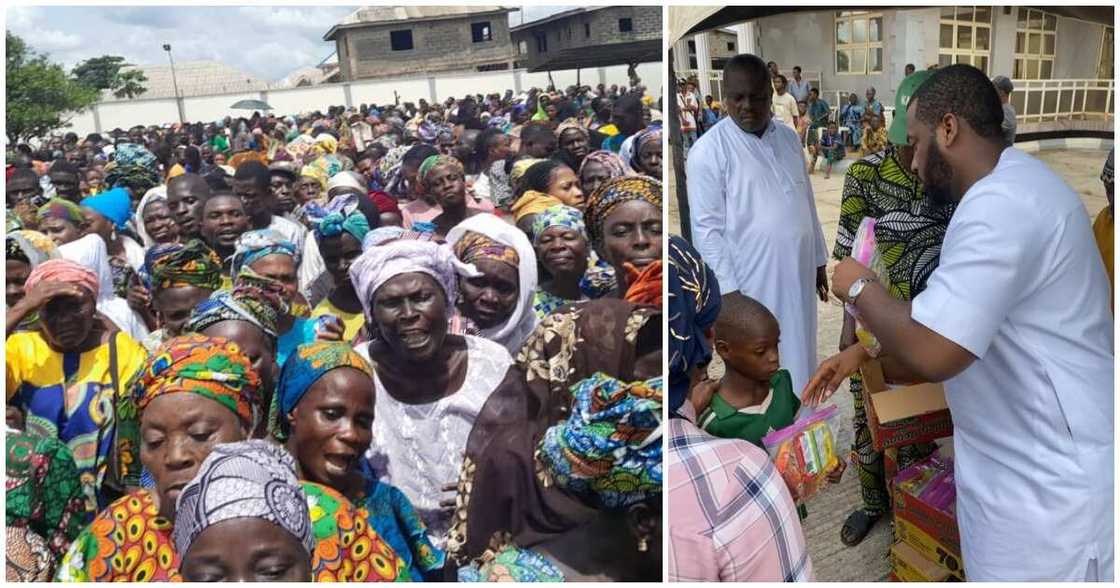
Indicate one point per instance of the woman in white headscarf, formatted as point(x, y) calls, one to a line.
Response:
point(90, 251)
point(429, 384)
point(500, 301)
point(170, 235)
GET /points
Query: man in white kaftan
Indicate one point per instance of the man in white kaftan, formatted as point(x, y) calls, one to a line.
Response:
point(753, 217)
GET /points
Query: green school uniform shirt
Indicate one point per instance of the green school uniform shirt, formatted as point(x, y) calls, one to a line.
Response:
point(752, 423)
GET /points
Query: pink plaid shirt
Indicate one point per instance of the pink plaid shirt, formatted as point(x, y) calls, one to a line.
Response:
point(731, 518)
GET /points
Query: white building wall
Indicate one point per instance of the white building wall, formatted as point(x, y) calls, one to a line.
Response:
point(128, 113)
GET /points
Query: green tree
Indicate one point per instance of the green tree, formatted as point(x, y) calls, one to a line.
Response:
point(104, 73)
point(41, 97)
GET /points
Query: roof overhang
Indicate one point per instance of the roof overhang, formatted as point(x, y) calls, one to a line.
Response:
point(334, 30)
point(556, 17)
point(600, 56)
point(703, 19)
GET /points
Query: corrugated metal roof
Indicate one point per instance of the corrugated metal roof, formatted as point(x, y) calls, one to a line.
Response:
point(195, 78)
point(376, 15)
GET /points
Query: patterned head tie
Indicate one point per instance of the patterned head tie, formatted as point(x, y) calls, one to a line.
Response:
point(252, 479)
point(608, 452)
point(613, 192)
point(212, 367)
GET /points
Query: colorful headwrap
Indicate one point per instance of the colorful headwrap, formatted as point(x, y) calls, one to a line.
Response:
point(252, 304)
point(248, 479)
point(518, 171)
point(694, 301)
point(614, 192)
point(326, 144)
point(176, 265)
point(613, 163)
point(378, 265)
point(383, 235)
point(58, 208)
point(436, 160)
point(1107, 172)
point(64, 270)
point(30, 247)
point(114, 205)
point(608, 452)
point(254, 245)
point(649, 136)
point(474, 246)
point(532, 202)
point(328, 165)
point(307, 365)
point(212, 367)
point(335, 224)
point(572, 124)
point(133, 166)
point(559, 215)
point(316, 174)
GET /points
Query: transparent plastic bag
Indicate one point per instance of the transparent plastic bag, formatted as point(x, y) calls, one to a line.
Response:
point(932, 481)
point(865, 249)
point(805, 452)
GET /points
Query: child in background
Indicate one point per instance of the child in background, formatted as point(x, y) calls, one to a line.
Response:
point(832, 147)
point(755, 395)
point(802, 120)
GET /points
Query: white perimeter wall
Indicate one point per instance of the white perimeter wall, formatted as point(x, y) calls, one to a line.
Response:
point(107, 116)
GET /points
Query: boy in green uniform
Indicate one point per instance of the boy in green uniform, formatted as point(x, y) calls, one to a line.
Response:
point(755, 395)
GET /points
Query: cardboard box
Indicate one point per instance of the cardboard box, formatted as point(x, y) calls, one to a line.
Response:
point(909, 533)
point(905, 415)
point(941, 527)
point(909, 566)
point(890, 470)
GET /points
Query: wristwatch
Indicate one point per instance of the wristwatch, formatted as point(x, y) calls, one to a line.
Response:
point(857, 288)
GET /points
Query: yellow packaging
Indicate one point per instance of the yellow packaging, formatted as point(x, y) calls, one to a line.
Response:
point(909, 566)
point(926, 546)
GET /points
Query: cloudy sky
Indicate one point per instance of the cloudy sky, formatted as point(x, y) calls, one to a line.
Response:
point(268, 42)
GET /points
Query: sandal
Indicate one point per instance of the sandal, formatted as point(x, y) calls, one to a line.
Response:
point(856, 527)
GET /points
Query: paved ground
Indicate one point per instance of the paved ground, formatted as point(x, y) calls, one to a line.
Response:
point(832, 560)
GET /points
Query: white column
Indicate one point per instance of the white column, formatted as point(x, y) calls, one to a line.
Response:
point(680, 57)
point(745, 37)
point(703, 63)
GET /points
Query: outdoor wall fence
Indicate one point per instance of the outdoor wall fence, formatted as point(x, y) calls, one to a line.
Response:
point(108, 115)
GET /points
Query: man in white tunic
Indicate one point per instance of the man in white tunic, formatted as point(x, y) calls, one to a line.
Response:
point(753, 216)
point(1015, 321)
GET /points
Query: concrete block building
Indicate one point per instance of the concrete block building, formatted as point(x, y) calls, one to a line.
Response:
point(589, 37)
point(1059, 58)
point(385, 41)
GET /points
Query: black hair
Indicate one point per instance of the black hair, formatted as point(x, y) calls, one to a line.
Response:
point(63, 166)
point(417, 154)
point(197, 180)
point(797, 67)
point(747, 63)
point(255, 172)
point(536, 132)
point(539, 175)
point(813, 89)
point(966, 92)
point(485, 140)
point(784, 80)
point(740, 315)
point(24, 173)
point(217, 180)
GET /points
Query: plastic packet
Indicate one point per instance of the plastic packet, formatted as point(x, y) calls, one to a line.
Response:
point(805, 452)
point(865, 249)
point(932, 481)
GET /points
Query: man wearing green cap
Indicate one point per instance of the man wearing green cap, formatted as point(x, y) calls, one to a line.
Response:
point(882, 186)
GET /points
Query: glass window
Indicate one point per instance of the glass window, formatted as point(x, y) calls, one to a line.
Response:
point(1048, 42)
point(876, 64)
point(1046, 69)
point(964, 37)
point(1018, 69)
point(947, 12)
point(843, 36)
point(1034, 43)
point(876, 30)
point(1020, 42)
point(859, 31)
point(859, 60)
point(842, 62)
point(983, 14)
point(400, 40)
point(1051, 23)
point(946, 36)
point(1032, 69)
point(982, 34)
point(981, 63)
point(964, 13)
point(944, 59)
point(1022, 18)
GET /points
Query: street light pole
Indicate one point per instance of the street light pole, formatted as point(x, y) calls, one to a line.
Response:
point(175, 83)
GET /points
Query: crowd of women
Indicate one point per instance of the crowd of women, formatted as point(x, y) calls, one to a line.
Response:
point(400, 343)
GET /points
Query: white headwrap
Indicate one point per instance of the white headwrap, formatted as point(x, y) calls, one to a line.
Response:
point(252, 479)
point(90, 252)
point(512, 333)
point(157, 193)
point(378, 265)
